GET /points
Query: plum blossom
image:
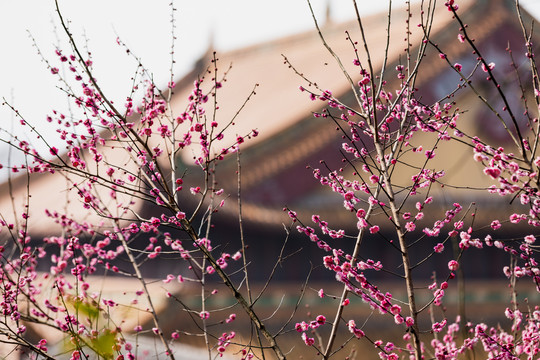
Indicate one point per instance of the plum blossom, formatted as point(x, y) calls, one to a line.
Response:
point(453, 265)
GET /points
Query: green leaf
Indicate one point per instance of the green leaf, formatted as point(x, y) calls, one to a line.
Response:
point(105, 343)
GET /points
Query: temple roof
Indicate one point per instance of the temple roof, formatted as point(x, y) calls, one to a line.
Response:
point(283, 115)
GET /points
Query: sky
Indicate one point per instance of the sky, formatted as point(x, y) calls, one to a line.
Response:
point(145, 27)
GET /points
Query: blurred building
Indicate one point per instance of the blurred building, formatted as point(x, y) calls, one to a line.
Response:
point(290, 138)
point(273, 164)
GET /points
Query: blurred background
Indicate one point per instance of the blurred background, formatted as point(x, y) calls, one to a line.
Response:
point(146, 29)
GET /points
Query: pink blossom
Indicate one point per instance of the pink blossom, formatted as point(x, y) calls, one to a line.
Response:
point(395, 309)
point(496, 224)
point(410, 226)
point(438, 326)
point(530, 239)
point(307, 340)
point(493, 172)
point(302, 326)
point(231, 318)
point(361, 213)
point(361, 224)
point(349, 195)
point(365, 80)
point(314, 325)
point(169, 278)
point(204, 315)
point(374, 229)
point(490, 66)
point(351, 324)
point(409, 321)
point(453, 265)
point(515, 218)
